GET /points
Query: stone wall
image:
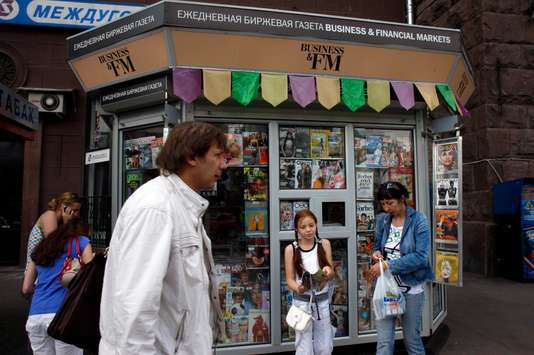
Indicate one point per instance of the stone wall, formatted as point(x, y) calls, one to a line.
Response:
point(499, 39)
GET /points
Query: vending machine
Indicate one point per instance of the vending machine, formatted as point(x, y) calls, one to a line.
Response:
point(513, 207)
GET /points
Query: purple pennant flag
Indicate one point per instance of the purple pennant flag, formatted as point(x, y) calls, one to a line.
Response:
point(187, 83)
point(405, 93)
point(462, 108)
point(302, 89)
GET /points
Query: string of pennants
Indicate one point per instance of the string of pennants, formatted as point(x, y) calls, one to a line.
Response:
point(244, 87)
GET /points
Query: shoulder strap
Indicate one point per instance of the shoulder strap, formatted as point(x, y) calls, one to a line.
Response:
point(69, 243)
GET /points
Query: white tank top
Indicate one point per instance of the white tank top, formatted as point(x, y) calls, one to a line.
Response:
point(310, 261)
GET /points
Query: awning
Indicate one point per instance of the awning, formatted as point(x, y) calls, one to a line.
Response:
point(336, 52)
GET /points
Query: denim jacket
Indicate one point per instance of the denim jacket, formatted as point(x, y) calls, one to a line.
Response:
point(414, 264)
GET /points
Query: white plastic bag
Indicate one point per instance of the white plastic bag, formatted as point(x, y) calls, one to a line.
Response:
point(388, 300)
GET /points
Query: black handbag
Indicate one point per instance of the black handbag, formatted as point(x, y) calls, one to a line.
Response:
point(77, 321)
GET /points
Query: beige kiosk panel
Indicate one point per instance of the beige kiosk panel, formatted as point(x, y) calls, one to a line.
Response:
point(227, 51)
point(131, 59)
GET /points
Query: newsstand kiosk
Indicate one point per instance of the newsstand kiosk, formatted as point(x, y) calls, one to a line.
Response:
point(318, 111)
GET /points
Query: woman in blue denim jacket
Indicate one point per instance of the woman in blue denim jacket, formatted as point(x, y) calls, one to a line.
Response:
point(402, 240)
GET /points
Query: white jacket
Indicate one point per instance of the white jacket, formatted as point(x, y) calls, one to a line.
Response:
point(159, 294)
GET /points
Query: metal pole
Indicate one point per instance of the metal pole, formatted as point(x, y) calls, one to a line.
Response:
point(409, 12)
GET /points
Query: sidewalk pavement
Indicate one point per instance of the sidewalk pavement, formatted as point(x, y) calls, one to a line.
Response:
point(489, 316)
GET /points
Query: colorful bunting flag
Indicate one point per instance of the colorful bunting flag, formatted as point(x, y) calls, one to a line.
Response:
point(428, 91)
point(447, 94)
point(187, 83)
point(274, 88)
point(217, 85)
point(328, 92)
point(245, 86)
point(302, 89)
point(353, 93)
point(461, 108)
point(405, 93)
point(378, 96)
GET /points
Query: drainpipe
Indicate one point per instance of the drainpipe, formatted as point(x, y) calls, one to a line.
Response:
point(409, 11)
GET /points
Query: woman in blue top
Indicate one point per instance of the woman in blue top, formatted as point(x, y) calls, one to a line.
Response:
point(48, 293)
point(402, 240)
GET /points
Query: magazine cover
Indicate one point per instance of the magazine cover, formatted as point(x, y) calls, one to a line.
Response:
point(319, 143)
point(405, 177)
point(302, 142)
point(155, 148)
point(237, 328)
point(328, 174)
point(364, 184)
point(446, 267)
point(365, 216)
point(256, 183)
point(447, 159)
point(341, 314)
point(286, 215)
point(339, 295)
point(287, 174)
point(303, 174)
point(374, 152)
point(258, 251)
point(336, 143)
point(287, 142)
point(360, 152)
point(389, 157)
point(404, 151)
point(138, 153)
point(259, 328)
point(255, 219)
point(446, 193)
point(134, 179)
point(447, 226)
point(255, 145)
point(234, 145)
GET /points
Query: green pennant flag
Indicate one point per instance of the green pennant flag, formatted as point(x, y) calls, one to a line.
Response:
point(353, 93)
point(245, 86)
point(447, 94)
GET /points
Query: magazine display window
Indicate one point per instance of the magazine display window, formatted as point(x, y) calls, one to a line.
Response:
point(312, 158)
point(140, 149)
point(237, 222)
point(379, 155)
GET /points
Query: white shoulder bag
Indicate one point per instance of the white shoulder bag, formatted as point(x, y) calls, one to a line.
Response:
point(298, 318)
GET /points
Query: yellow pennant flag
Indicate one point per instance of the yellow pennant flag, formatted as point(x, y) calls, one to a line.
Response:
point(328, 91)
point(428, 91)
point(217, 85)
point(274, 88)
point(378, 97)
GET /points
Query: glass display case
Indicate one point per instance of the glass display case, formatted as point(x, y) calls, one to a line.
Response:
point(237, 222)
point(379, 155)
point(312, 157)
point(140, 148)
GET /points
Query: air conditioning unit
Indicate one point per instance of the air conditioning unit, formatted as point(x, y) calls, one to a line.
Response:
point(48, 101)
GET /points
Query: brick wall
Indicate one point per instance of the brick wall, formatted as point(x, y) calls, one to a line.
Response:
point(499, 39)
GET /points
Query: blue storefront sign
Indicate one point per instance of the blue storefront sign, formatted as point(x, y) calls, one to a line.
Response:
point(54, 13)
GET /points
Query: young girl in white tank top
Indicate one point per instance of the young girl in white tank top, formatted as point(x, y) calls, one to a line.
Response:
point(305, 256)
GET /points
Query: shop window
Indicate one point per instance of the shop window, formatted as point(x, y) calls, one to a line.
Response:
point(339, 291)
point(333, 214)
point(312, 158)
point(238, 225)
point(380, 156)
point(288, 209)
point(141, 147)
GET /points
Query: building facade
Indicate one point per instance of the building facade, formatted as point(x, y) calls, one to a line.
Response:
point(499, 40)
